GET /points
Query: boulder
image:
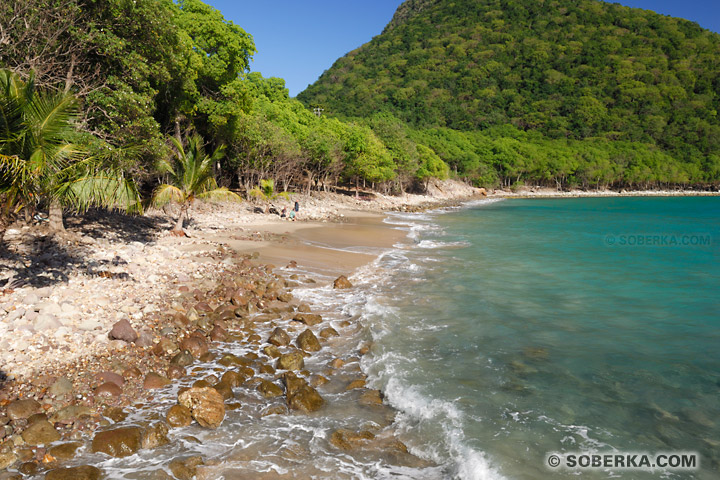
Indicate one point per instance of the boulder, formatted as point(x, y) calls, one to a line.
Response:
point(116, 414)
point(206, 405)
point(83, 472)
point(290, 361)
point(279, 337)
point(108, 390)
point(70, 413)
point(179, 416)
point(185, 468)
point(175, 372)
point(234, 379)
point(342, 282)
point(308, 341)
point(155, 436)
point(196, 345)
point(271, 351)
point(118, 442)
point(269, 389)
point(305, 399)
point(122, 330)
point(154, 381)
point(308, 319)
point(7, 459)
point(182, 359)
point(22, 409)
point(64, 451)
point(40, 432)
point(293, 383)
point(218, 334)
point(229, 360)
point(224, 389)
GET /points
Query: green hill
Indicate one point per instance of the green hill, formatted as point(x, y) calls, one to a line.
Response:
point(570, 70)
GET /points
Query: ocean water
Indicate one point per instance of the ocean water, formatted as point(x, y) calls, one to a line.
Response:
point(507, 330)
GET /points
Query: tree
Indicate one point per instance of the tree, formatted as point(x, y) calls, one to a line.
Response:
point(41, 165)
point(267, 193)
point(191, 177)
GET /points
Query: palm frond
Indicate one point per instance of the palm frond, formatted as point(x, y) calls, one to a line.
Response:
point(165, 194)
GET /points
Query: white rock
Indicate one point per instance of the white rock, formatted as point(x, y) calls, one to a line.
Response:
point(31, 299)
point(31, 316)
point(89, 325)
point(68, 310)
point(102, 301)
point(43, 292)
point(49, 308)
point(15, 314)
point(46, 321)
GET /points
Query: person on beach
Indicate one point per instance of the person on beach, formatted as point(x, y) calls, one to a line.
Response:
point(284, 213)
point(292, 215)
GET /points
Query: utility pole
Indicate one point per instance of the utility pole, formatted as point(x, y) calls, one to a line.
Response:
point(318, 111)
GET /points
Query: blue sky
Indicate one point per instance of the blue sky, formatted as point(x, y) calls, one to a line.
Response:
point(299, 39)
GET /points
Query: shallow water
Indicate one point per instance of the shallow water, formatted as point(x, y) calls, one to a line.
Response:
point(510, 330)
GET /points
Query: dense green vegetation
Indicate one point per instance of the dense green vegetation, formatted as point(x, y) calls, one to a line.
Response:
point(595, 93)
point(140, 73)
point(500, 92)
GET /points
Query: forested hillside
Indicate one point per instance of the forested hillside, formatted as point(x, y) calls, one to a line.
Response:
point(628, 90)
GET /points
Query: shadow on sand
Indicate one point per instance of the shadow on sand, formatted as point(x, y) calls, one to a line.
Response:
point(41, 258)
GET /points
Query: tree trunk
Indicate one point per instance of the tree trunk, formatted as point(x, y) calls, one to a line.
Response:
point(179, 224)
point(56, 217)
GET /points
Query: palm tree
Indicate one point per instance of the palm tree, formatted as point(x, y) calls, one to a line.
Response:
point(191, 177)
point(40, 164)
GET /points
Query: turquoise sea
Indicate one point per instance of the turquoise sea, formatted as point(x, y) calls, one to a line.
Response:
point(508, 330)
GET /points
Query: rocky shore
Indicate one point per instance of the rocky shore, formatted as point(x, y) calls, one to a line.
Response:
point(114, 312)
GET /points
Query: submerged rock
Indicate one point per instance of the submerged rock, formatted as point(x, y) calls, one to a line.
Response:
point(196, 345)
point(290, 361)
point(119, 442)
point(179, 416)
point(308, 319)
point(84, 472)
point(206, 404)
point(342, 282)
point(186, 468)
point(183, 359)
point(40, 432)
point(65, 451)
point(154, 381)
point(22, 409)
point(269, 389)
point(308, 341)
point(328, 332)
point(279, 337)
point(155, 436)
point(347, 440)
point(108, 390)
point(300, 395)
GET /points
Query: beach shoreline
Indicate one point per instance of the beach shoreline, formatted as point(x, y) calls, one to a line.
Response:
point(147, 284)
point(135, 271)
